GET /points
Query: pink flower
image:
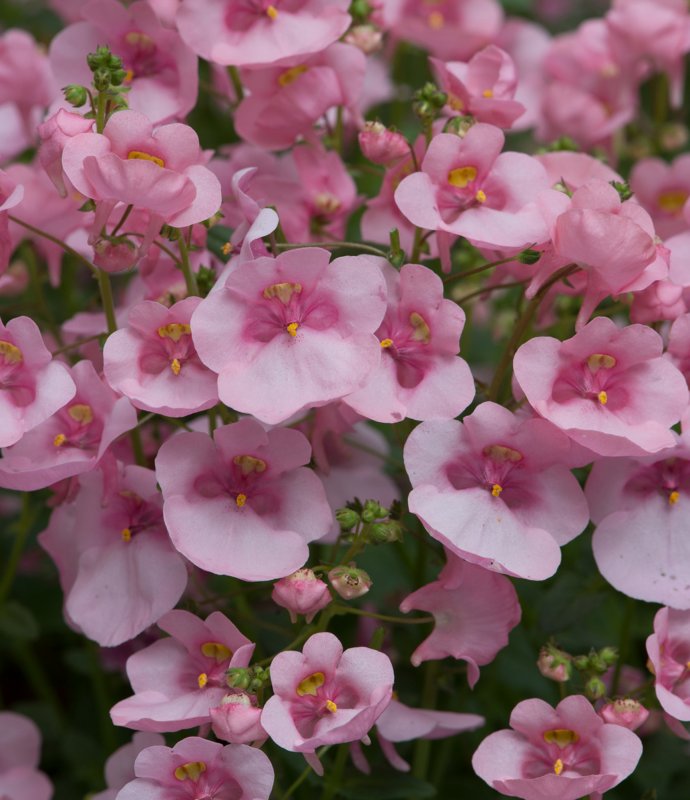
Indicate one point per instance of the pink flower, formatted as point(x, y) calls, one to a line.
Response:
point(54, 133)
point(11, 194)
point(33, 386)
point(153, 361)
point(420, 374)
point(177, 680)
point(567, 753)
point(495, 490)
point(301, 593)
point(119, 768)
point(196, 769)
point(238, 719)
point(324, 695)
point(625, 711)
point(607, 388)
point(259, 32)
point(381, 145)
point(258, 504)
point(20, 750)
point(474, 610)
point(663, 189)
point(669, 653)
point(161, 70)
point(292, 332)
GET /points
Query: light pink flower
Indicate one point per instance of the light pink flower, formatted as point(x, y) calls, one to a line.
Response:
point(607, 388)
point(474, 611)
point(663, 189)
point(625, 711)
point(238, 719)
point(668, 649)
point(301, 593)
point(258, 504)
point(381, 145)
point(567, 753)
point(11, 194)
point(495, 490)
point(20, 750)
point(292, 332)
point(119, 768)
point(177, 680)
point(54, 133)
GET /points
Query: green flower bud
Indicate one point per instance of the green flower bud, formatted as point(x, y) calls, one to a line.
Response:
point(101, 79)
point(528, 256)
point(384, 532)
point(595, 688)
point(623, 189)
point(459, 125)
point(373, 510)
point(347, 518)
point(581, 663)
point(117, 76)
point(609, 655)
point(238, 678)
point(75, 94)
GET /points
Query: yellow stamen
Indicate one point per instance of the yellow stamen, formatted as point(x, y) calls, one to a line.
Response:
point(241, 500)
point(673, 498)
point(599, 361)
point(129, 76)
point(331, 706)
point(271, 12)
point(202, 680)
point(436, 20)
point(291, 75)
point(501, 453)
point(174, 331)
point(455, 102)
point(191, 770)
point(226, 249)
point(175, 366)
point(558, 766)
point(561, 737)
point(282, 291)
point(326, 203)
point(672, 202)
point(421, 329)
point(461, 176)
point(386, 343)
point(488, 93)
point(480, 197)
point(59, 440)
point(126, 534)
point(603, 398)
point(496, 490)
point(310, 684)
point(11, 353)
point(139, 39)
point(687, 665)
point(81, 413)
point(249, 464)
point(292, 328)
point(139, 155)
point(216, 650)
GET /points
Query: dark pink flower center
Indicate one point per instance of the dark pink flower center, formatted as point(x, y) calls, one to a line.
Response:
point(284, 308)
point(408, 342)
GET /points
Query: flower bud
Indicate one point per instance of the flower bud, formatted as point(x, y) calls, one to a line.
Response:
point(54, 133)
point(459, 125)
point(115, 255)
point(384, 532)
point(101, 79)
point(609, 655)
point(75, 94)
point(554, 664)
point(581, 663)
point(373, 510)
point(528, 256)
point(237, 719)
point(673, 136)
point(349, 582)
point(347, 518)
point(301, 593)
point(238, 678)
point(626, 712)
point(381, 145)
point(366, 38)
point(595, 688)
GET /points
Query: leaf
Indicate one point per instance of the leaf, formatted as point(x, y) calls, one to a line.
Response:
point(386, 787)
point(17, 622)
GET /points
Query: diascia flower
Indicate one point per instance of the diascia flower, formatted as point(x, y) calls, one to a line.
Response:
point(20, 749)
point(669, 655)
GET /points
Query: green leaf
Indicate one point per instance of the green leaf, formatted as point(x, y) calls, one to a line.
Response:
point(17, 622)
point(386, 787)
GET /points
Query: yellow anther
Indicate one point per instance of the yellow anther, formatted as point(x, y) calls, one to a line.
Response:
point(687, 665)
point(672, 202)
point(129, 76)
point(292, 328)
point(271, 12)
point(139, 39)
point(310, 684)
point(190, 771)
point(81, 413)
point(501, 453)
point(174, 331)
point(241, 500)
point(480, 197)
point(175, 366)
point(673, 498)
point(202, 680)
point(386, 343)
point(331, 706)
point(421, 329)
point(561, 737)
point(496, 490)
point(326, 203)
point(558, 766)
point(126, 534)
point(603, 398)
point(462, 176)
point(282, 291)
point(216, 650)
point(249, 464)
point(455, 102)
point(599, 361)
point(488, 93)
point(59, 440)
point(139, 155)
point(291, 75)
point(226, 249)
point(436, 20)
point(11, 353)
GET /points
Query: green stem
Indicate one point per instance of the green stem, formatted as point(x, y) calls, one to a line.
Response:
point(189, 276)
point(335, 775)
point(234, 74)
point(482, 268)
point(103, 701)
point(23, 527)
point(422, 750)
point(66, 348)
point(338, 609)
point(101, 101)
point(123, 219)
point(29, 255)
point(158, 244)
point(417, 246)
point(486, 290)
point(300, 780)
point(53, 239)
point(364, 248)
point(107, 300)
point(623, 642)
point(338, 131)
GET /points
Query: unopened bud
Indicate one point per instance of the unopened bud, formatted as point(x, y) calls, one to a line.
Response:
point(347, 518)
point(384, 532)
point(301, 593)
point(528, 256)
point(366, 38)
point(238, 678)
point(75, 94)
point(626, 712)
point(609, 655)
point(101, 79)
point(117, 76)
point(673, 136)
point(381, 145)
point(554, 664)
point(623, 189)
point(459, 125)
point(373, 510)
point(349, 582)
point(581, 663)
point(595, 688)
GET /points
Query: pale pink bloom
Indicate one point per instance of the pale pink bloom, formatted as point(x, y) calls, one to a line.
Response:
point(238, 719)
point(11, 194)
point(196, 769)
point(678, 348)
point(119, 768)
point(301, 593)
point(32, 385)
point(255, 221)
point(381, 145)
point(468, 187)
point(118, 570)
point(625, 711)
point(366, 38)
point(607, 388)
point(420, 374)
point(668, 649)
point(260, 32)
point(495, 490)
point(20, 751)
point(292, 332)
point(554, 666)
point(242, 504)
point(483, 88)
point(54, 133)
point(73, 440)
point(474, 611)
point(662, 300)
point(324, 695)
point(153, 361)
point(285, 101)
point(574, 169)
point(567, 753)
point(663, 189)
point(161, 70)
point(178, 679)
